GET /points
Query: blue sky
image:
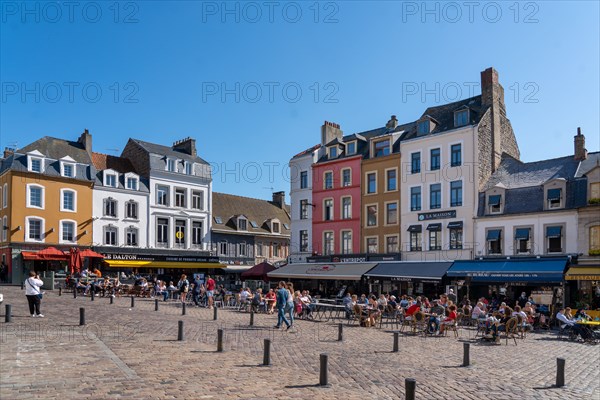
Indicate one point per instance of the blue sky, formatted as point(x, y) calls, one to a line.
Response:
point(253, 83)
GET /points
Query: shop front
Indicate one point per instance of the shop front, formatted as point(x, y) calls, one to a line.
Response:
point(409, 278)
point(508, 278)
point(325, 279)
point(584, 285)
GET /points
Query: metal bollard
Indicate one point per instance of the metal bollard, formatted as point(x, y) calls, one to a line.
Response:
point(75, 292)
point(396, 337)
point(155, 304)
point(93, 296)
point(22, 285)
point(81, 316)
point(323, 370)
point(251, 318)
point(220, 340)
point(132, 301)
point(60, 291)
point(182, 308)
point(215, 314)
point(112, 298)
point(340, 332)
point(180, 331)
point(8, 313)
point(466, 354)
point(267, 353)
point(411, 386)
point(560, 372)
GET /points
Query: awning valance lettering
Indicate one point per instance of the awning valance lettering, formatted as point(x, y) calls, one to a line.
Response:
point(583, 274)
point(550, 271)
point(409, 271)
point(160, 264)
point(434, 227)
point(333, 271)
point(455, 225)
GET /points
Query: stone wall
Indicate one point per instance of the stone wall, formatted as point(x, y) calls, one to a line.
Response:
point(138, 157)
point(485, 150)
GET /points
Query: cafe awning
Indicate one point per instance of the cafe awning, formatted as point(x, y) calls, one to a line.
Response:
point(337, 271)
point(528, 270)
point(160, 264)
point(583, 274)
point(30, 256)
point(409, 271)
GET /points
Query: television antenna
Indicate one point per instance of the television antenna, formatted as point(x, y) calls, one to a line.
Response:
point(116, 151)
point(270, 188)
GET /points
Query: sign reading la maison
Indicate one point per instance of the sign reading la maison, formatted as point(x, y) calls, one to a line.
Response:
point(152, 257)
point(437, 215)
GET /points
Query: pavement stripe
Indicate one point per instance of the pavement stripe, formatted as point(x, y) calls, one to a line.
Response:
point(118, 362)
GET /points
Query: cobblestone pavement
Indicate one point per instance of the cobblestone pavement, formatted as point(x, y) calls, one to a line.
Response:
point(133, 353)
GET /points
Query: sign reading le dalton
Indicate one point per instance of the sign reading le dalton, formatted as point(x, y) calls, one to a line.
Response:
point(437, 215)
point(150, 257)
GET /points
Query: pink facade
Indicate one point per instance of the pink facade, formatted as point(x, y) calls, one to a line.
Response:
point(321, 196)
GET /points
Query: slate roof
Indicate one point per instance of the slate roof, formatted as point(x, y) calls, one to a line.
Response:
point(305, 152)
point(122, 165)
point(524, 184)
point(227, 206)
point(58, 148)
point(592, 161)
point(167, 151)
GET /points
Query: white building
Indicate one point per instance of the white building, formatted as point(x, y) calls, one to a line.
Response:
point(120, 204)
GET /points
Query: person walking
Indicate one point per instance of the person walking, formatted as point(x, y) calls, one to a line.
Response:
point(183, 286)
point(290, 302)
point(210, 290)
point(282, 299)
point(33, 291)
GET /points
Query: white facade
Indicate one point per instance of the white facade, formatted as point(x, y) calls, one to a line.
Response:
point(179, 211)
point(537, 224)
point(301, 206)
point(442, 246)
point(127, 216)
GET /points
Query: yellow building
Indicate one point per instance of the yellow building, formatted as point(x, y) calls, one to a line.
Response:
point(46, 201)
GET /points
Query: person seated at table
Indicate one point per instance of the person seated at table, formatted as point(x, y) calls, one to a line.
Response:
point(382, 302)
point(270, 299)
point(311, 301)
point(171, 291)
point(518, 312)
point(96, 272)
point(450, 318)
point(404, 301)
point(502, 308)
point(105, 286)
point(570, 324)
point(443, 301)
point(161, 290)
point(425, 304)
point(363, 300)
point(392, 302)
point(373, 310)
point(467, 307)
point(83, 286)
point(305, 304)
point(581, 313)
point(478, 311)
point(412, 310)
point(437, 312)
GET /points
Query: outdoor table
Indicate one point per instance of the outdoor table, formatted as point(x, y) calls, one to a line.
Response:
point(592, 324)
point(327, 311)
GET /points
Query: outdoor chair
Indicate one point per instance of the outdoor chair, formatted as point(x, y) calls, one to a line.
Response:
point(511, 329)
point(419, 323)
point(452, 327)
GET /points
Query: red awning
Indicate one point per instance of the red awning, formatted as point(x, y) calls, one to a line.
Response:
point(30, 255)
point(258, 272)
point(52, 254)
point(90, 253)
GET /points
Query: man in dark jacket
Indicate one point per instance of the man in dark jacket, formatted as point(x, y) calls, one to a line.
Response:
point(282, 297)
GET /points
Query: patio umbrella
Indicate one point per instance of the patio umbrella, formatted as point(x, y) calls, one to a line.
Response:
point(75, 260)
point(90, 253)
point(258, 272)
point(52, 254)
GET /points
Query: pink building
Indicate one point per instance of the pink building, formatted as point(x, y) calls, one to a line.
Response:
point(336, 200)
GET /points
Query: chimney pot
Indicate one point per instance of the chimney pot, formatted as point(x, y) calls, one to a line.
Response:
point(579, 142)
point(279, 199)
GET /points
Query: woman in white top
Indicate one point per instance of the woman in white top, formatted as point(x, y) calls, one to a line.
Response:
point(33, 290)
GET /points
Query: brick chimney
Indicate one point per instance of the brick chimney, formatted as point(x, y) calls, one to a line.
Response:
point(330, 131)
point(86, 140)
point(392, 123)
point(8, 151)
point(580, 150)
point(279, 199)
point(187, 146)
point(492, 95)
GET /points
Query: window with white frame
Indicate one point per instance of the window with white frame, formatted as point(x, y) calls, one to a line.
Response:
point(435, 236)
point(259, 250)
point(495, 204)
point(67, 231)
point(494, 240)
point(35, 196)
point(522, 240)
point(381, 148)
point(434, 159)
point(455, 155)
point(372, 215)
point(304, 209)
point(554, 239)
point(197, 233)
point(371, 183)
point(242, 224)
point(110, 180)
point(180, 195)
point(242, 249)
point(131, 209)
point(222, 248)
point(132, 183)
point(131, 236)
point(275, 227)
point(372, 245)
point(180, 232)
point(303, 179)
point(68, 201)
point(346, 207)
point(391, 213)
point(455, 193)
point(391, 182)
point(328, 180)
point(189, 168)
point(328, 243)
point(351, 148)
point(461, 118)
point(110, 235)
point(303, 240)
point(435, 196)
point(554, 198)
point(110, 207)
point(346, 242)
point(197, 200)
point(171, 165)
point(391, 244)
point(5, 196)
point(328, 210)
point(455, 229)
point(346, 177)
point(36, 164)
point(162, 195)
point(67, 169)
point(35, 229)
point(333, 151)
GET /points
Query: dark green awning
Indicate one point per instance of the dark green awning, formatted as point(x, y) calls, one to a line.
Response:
point(415, 228)
point(553, 232)
point(434, 227)
point(522, 234)
point(493, 234)
point(494, 200)
point(554, 194)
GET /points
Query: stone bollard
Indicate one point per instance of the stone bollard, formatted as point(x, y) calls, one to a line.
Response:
point(93, 294)
point(8, 313)
point(340, 332)
point(220, 340)
point(215, 314)
point(132, 301)
point(75, 292)
point(183, 308)
point(180, 331)
point(155, 304)
point(396, 337)
point(560, 372)
point(411, 386)
point(251, 318)
point(112, 298)
point(60, 291)
point(267, 353)
point(81, 316)
point(323, 381)
point(466, 354)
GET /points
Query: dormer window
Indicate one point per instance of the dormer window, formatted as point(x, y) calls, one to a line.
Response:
point(554, 197)
point(351, 148)
point(424, 127)
point(242, 224)
point(35, 164)
point(189, 168)
point(333, 152)
point(275, 227)
point(110, 180)
point(461, 118)
point(132, 183)
point(67, 169)
point(171, 165)
point(494, 203)
point(381, 148)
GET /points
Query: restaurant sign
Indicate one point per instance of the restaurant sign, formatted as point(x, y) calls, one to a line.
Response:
point(437, 215)
point(320, 269)
point(164, 258)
